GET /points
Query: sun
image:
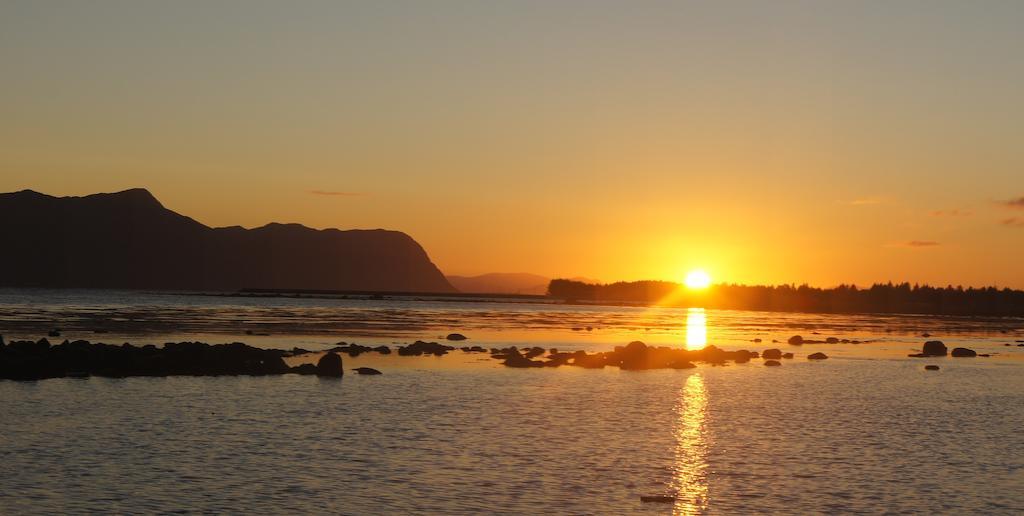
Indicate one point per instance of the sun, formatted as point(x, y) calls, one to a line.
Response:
point(698, 279)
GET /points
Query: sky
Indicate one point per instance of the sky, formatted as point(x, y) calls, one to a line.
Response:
point(766, 142)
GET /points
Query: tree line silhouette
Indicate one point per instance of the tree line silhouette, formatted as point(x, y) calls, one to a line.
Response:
point(879, 298)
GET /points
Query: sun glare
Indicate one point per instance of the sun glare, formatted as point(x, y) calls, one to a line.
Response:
point(698, 279)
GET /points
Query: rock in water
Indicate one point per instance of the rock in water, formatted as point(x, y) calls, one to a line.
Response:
point(367, 370)
point(796, 340)
point(456, 336)
point(773, 354)
point(329, 365)
point(934, 348)
point(657, 500)
point(963, 352)
point(817, 356)
point(772, 363)
point(931, 368)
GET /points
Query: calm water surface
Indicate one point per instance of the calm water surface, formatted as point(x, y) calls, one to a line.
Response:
point(865, 431)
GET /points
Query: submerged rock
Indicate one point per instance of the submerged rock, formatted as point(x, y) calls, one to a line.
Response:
point(817, 356)
point(773, 354)
point(366, 371)
point(787, 355)
point(419, 348)
point(795, 340)
point(330, 365)
point(456, 336)
point(772, 363)
point(931, 368)
point(832, 340)
point(304, 369)
point(514, 359)
point(658, 499)
point(963, 352)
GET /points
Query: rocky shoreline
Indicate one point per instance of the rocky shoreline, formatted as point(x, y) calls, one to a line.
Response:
point(37, 360)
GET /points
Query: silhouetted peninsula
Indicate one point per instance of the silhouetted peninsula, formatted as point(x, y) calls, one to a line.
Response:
point(129, 240)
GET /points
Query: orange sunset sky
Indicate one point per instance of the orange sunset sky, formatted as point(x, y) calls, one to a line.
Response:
point(766, 142)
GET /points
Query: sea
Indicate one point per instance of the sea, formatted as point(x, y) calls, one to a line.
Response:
point(868, 430)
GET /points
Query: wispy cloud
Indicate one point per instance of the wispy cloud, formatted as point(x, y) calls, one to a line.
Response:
point(867, 201)
point(952, 213)
point(922, 243)
point(335, 193)
point(1017, 204)
point(1013, 222)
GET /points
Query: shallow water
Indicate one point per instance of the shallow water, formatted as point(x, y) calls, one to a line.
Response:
point(316, 323)
point(866, 431)
point(843, 435)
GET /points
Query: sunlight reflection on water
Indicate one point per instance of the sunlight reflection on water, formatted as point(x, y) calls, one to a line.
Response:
point(696, 328)
point(692, 448)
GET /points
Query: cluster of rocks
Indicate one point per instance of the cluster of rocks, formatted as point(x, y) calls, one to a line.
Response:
point(354, 350)
point(420, 347)
point(797, 340)
point(33, 360)
point(936, 348)
point(637, 356)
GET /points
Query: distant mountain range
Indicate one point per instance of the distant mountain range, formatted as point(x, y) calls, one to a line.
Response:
point(505, 283)
point(129, 240)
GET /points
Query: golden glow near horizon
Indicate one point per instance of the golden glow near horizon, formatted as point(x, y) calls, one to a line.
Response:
point(698, 279)
point(564, 139)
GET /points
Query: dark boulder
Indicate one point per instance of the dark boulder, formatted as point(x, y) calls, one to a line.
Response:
point(817, 356)
point(934, 348)
point(366, 371)
point(796, 340)
point(832, 340)
point(383, 350)
point(931, 368)
point(772, 363)
point(963, 352)
point(330, 365)
point(773, 354)
point(790, 355)
point(456, 336)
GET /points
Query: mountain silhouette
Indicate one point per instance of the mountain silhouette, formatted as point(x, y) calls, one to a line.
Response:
point(501, 283)
point(129, 240)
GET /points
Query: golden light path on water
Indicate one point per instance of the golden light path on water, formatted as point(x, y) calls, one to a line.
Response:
point(690, 472)
point(696, 328)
